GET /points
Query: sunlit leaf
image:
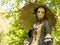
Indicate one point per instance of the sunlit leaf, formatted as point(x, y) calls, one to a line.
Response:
point(6, 1)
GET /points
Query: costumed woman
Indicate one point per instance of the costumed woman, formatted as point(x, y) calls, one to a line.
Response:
point(40, 33)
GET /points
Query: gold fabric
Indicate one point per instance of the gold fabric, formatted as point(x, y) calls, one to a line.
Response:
point(36, 37)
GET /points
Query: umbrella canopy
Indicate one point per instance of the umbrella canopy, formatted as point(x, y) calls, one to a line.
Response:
point(27, 18)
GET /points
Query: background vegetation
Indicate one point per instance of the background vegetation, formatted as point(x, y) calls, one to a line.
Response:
point(11, 31)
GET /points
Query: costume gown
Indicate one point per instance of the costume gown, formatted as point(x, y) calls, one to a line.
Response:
point(41, 29)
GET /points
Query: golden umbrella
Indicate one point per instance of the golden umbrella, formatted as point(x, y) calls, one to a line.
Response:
point(27, 18)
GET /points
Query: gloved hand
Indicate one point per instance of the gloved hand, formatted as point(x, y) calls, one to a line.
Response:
point(26, 42)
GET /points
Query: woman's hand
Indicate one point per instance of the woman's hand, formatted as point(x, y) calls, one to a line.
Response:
point(48, 36)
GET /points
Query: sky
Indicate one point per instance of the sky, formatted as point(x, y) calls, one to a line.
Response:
point(9, 5)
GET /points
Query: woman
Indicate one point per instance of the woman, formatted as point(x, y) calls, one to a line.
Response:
point(40, 33)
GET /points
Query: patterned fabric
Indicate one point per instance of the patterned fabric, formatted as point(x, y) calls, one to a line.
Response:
point(42, 30)
point(45, 30)
point(36, 33)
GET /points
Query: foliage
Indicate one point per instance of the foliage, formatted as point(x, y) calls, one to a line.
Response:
point(17, 33)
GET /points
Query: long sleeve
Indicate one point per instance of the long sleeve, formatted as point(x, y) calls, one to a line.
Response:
point(47, 27)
